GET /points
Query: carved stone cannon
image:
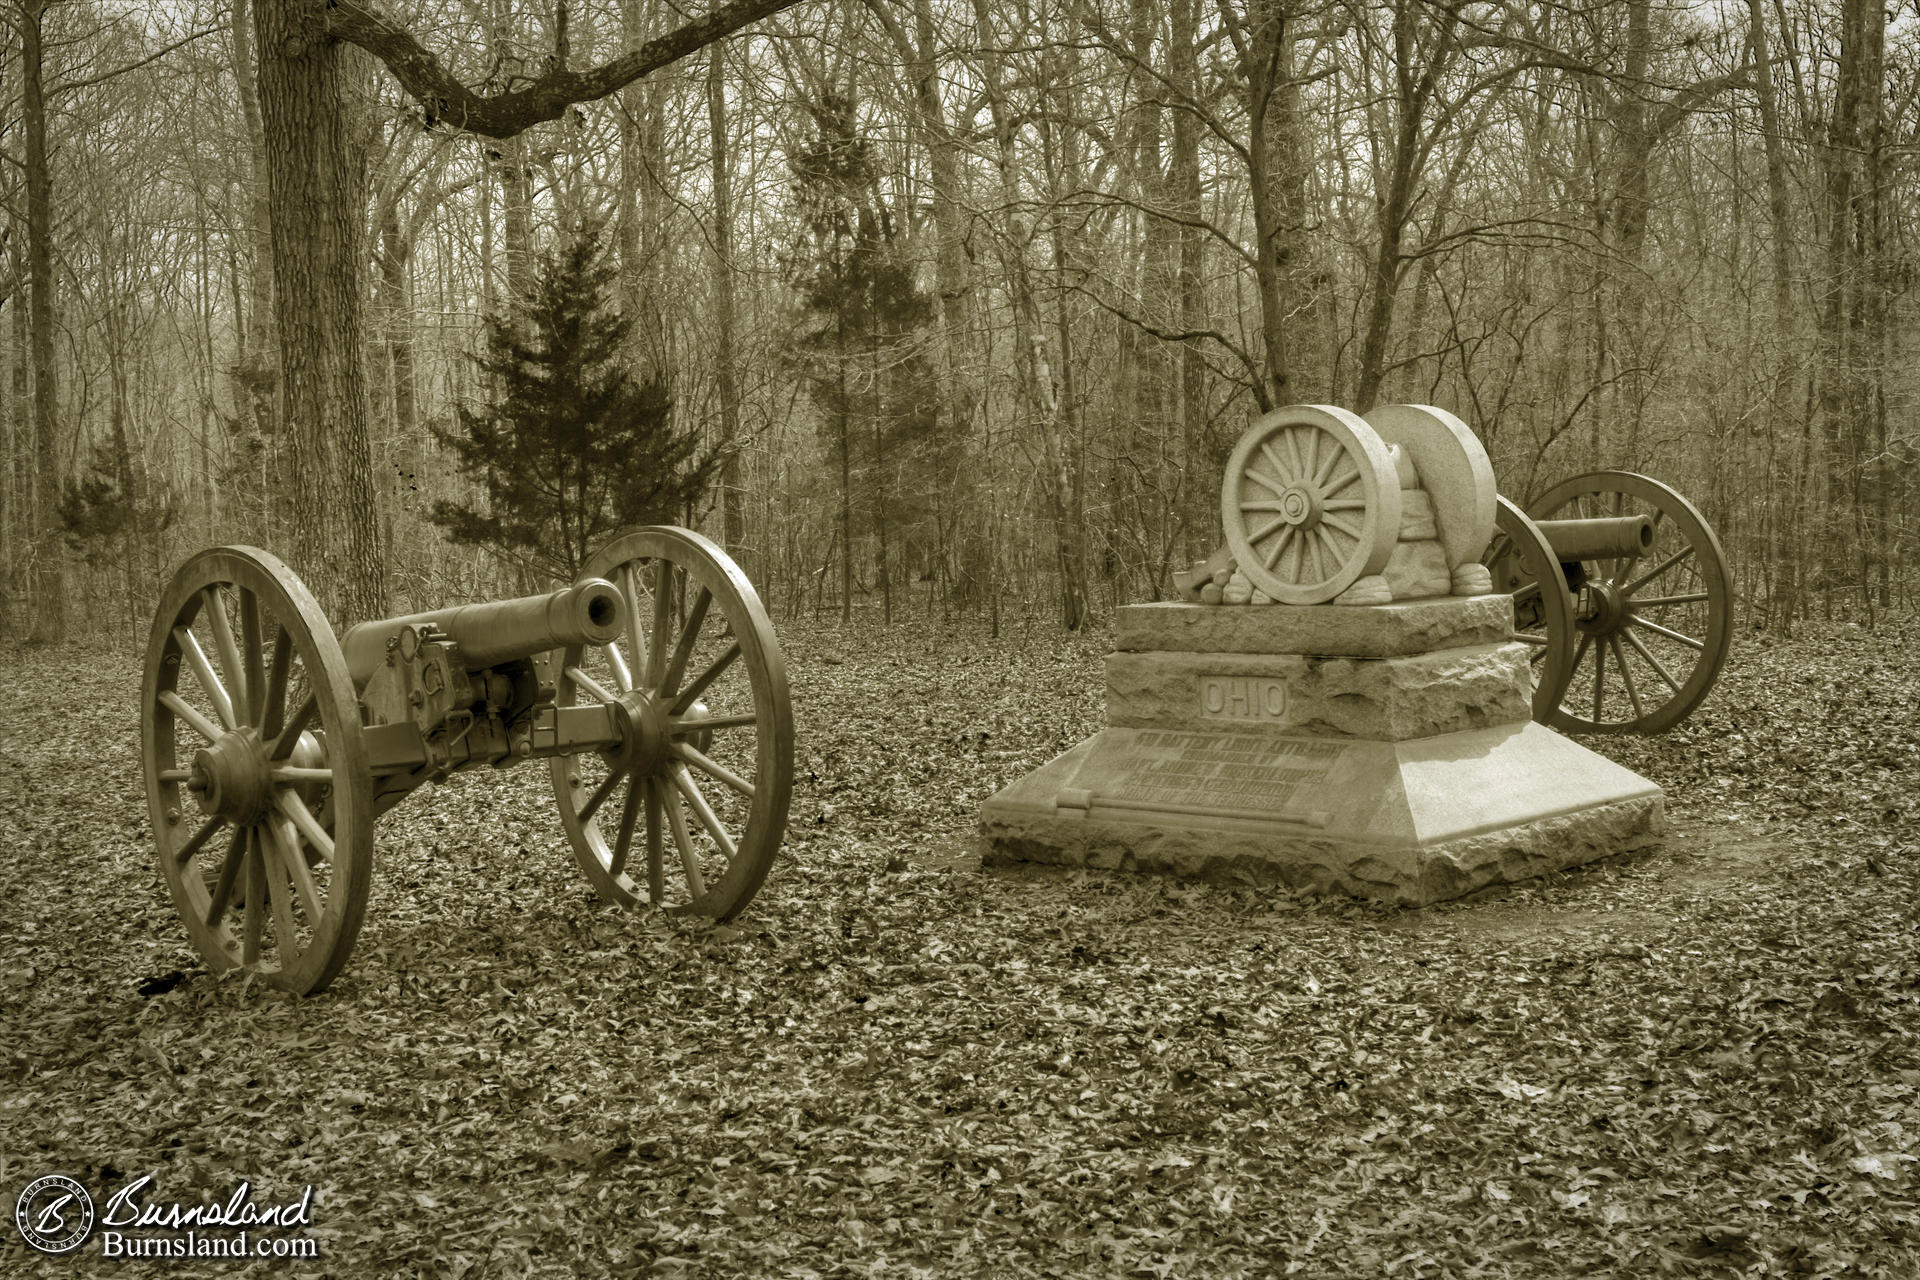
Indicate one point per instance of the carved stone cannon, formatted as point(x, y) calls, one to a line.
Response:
point(654, 686)
point(1619, 585)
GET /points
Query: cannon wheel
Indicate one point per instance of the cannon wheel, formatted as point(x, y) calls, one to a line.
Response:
point(688, 811)
point(1523, 566)
point(1653, 631)
point(1311, 502)
point(257, 780)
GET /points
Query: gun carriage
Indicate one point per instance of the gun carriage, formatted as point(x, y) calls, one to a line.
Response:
point(654, 688)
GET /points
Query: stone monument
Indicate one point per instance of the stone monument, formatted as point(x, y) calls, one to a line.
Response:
point(1338, 703)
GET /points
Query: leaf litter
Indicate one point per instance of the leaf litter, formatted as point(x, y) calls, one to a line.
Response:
point(1696, 1060)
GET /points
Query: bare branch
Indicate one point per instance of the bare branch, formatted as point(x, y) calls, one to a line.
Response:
point(67, 86)
point(450, 102)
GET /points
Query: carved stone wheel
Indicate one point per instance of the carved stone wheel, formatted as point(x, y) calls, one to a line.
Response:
point(1523, 566)
point(257, 780)
point(1310, 503)
point(687, 811)
point(1652, 631)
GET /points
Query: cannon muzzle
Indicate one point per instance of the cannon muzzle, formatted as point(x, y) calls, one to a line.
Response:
point(589, 612)
point(1609, 538)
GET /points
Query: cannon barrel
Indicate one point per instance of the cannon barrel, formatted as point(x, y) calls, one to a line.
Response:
point(589, 612)
point(1609, 538)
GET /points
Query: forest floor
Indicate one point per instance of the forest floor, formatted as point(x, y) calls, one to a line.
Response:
point(1702, 1059)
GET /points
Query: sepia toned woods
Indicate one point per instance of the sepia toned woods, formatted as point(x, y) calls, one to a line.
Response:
point(971, 298)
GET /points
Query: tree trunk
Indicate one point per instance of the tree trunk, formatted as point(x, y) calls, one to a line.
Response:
point(1184, 175)
point(314, 189)
point(50, 588)
point(260, 357)
point(1782, 419)
point(732, 513)
point(1040, 410)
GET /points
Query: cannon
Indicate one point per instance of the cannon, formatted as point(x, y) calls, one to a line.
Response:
point(654, 687)
point(1620, 589)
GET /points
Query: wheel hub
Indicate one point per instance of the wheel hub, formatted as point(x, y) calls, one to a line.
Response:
point(1300, 505)
point(230, 779)
point(1603, 609)
point(646, 737)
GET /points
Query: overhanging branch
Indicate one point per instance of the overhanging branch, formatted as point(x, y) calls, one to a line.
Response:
point(448, 101)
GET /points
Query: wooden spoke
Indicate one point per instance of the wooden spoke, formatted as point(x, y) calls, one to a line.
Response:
point(1648, 624)
point(1343, 504)
point(296, 725)
point(698, 724)
point(302, 817)
point(223, 641)
point(629, 584)
point(252, 913)
point(689, 636)
point(229, 872)
point(1263, 504)
point(278, 876)
point(198, 838)
point(622, 677)
point(1310, 464)
point(689, 859)
point(250, 656)
point(662, 623)
point(1580, 651)
point(702, 811)
point(591, 685)
point(691, 694)
point(693, 756)
point(656, 839)
point(1666, 564)
point(1626, 675)
point(274, 710)
point(599, 796)
point(629, 814)
point(199, 723)
point(1646, 655)
point(209, 682)
point(1661, 602)
point(1599, 677)
point(299, 871)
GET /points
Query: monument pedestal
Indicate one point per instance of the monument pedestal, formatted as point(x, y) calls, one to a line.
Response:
point(1266, 746)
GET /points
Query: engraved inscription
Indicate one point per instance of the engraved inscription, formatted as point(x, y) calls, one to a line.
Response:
point(1257, 698)
point(1225, 771)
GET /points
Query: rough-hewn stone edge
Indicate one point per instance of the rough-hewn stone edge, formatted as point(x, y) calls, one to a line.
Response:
point(1411, 876)
point(1392, 699)
point(1393, 630)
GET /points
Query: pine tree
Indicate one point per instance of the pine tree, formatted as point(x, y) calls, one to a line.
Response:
point(860, 340)
point(572, 447)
